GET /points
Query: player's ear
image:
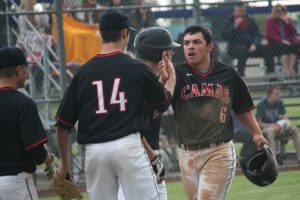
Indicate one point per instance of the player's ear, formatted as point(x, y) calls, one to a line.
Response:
point(210, 47)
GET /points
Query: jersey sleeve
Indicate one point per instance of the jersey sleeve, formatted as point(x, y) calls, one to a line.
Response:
point(154, 93)
point(31, 128)
point(241, 100)
point(66, 115)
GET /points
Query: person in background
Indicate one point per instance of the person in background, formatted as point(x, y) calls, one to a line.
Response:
point(245, 40)
point(273, 120)
point(142, 17)
point(281, 33)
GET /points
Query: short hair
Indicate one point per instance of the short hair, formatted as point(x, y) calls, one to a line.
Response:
point(110, 36)
point(7, 72)
point(271, 89)
point(196, 29)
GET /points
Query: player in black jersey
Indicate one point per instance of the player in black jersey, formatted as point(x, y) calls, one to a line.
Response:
point(152, 46)
point(107, 98)
point(21, 130)
point(205, 94)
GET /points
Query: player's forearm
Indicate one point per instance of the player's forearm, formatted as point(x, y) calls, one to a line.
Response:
point(249, 121)
point(148, 149)
point(171, 83)
point(63, 146)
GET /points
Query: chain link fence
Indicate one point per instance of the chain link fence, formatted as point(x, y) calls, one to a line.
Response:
point(61, 36)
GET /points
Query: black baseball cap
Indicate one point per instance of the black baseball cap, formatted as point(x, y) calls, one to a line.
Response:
point(114, 19)
point(12, 57)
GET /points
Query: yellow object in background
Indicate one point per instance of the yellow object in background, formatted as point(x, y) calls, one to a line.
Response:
point(82, 41)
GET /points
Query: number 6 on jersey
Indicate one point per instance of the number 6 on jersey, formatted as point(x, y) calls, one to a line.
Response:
point(117, 97)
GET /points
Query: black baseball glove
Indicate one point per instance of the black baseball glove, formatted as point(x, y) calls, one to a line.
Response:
point(158, 169)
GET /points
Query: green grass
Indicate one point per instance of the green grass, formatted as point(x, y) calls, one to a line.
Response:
point(286, 187)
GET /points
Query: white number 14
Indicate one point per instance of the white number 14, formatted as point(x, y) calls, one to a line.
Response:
point(117, 97)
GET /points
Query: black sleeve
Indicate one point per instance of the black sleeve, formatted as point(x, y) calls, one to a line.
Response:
point(38, 154)
point(31, 128)
point(154, 93)
point(241, 99)
point(66, 115)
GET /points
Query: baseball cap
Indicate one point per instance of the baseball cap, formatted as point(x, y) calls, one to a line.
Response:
point(12, 57)
point(114, 19)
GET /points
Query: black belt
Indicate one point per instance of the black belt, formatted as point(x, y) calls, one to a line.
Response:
point(202, 146)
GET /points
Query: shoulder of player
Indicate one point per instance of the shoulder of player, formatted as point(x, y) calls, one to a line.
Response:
point(20, 99)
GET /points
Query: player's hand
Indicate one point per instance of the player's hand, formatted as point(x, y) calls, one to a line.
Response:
point(158, 169)
point(62, 171)
point(259, 140)
point(166, 67)
point(49, 161)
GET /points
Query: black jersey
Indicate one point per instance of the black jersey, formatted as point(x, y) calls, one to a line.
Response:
point(152, 128)
point(21, 131)
point(107, 97)
point(203, 102)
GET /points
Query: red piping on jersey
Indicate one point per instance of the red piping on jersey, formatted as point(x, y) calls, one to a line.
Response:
point(37, 144)
point(211, 67)
point(246, 110)
point(164, 101)
point(7, 88)
point(62, 121)
point(109, 54)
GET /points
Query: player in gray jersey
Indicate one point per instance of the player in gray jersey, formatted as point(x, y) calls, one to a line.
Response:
point(205, 94)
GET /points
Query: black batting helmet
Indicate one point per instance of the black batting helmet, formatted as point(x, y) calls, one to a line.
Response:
point(260, 167)
point(151, 42)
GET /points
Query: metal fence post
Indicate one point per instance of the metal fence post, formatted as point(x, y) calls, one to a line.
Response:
point(197, 12)
point(61, 46)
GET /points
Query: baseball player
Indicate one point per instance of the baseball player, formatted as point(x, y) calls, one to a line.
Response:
point(205, 93)
point(107, 98)
point(22, 133)
point(152, 46)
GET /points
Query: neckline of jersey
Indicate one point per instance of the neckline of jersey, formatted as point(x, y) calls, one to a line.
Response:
point(7, 88)
point(109, 54)
point(211, 67)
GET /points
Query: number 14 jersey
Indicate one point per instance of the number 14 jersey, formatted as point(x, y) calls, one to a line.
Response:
point(203, 103)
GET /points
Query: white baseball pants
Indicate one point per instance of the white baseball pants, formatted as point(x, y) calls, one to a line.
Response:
point(19, 187)
point(121, 161)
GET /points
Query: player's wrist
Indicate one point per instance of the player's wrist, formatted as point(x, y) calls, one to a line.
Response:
point(50, 158)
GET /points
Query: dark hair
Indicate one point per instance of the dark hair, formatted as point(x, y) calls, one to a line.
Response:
point(110, 36)
point(7, 72)
point(271, 89)
point(196, 29)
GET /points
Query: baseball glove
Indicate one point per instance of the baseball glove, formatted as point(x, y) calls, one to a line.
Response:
point(65, 188)
point(158, 169)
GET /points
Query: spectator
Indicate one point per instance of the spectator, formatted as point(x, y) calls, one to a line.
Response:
point(273, 120)
point(142, 17)
point(89, 17)
point(245, 40)
point(282, 36)
point(114, 3)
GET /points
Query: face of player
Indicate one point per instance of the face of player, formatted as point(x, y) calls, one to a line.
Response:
point(22, 75)
point(196, 51)
point(275, 96)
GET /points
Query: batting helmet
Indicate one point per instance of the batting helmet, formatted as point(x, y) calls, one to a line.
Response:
point(260, 167)
point(151, 42)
